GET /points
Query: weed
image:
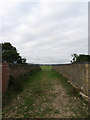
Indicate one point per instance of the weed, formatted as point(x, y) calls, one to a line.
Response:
point(57, 111)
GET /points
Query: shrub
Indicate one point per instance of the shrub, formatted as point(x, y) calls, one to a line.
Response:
point(15, 84)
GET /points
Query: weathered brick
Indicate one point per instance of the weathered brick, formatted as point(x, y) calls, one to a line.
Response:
point(5, 76)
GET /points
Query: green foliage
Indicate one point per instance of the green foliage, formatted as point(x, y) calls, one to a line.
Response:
point(83, 58)
point(7, 46)
point(10, 54)
point(80, 58)
point(15, 84)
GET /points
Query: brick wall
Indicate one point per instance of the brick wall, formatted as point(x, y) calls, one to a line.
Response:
point(78, 74)
point(19, 69)
point(15, 70)
point(0, 78)
point(5, 76)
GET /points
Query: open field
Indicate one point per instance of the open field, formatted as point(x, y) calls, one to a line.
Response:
point(45, 94)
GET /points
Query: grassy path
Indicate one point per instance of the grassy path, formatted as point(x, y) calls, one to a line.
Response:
point(45, 96)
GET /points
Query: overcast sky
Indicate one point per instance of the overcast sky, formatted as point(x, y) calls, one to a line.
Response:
point(45, 32)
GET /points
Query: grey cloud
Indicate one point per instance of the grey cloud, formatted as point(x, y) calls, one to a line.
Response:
point(47, 33)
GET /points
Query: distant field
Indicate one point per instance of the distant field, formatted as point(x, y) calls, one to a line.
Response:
point(46, 68)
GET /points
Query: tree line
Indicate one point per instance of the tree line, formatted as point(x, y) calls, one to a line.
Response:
point(10, 54)
point(80, 58)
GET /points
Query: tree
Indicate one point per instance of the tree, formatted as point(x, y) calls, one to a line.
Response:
point(74, 57)
point(80, 58)
point(10, 54)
